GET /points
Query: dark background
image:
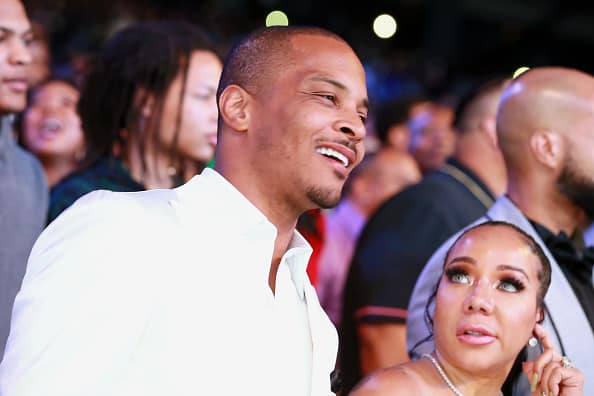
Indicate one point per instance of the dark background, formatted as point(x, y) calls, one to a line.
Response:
point(439, 45)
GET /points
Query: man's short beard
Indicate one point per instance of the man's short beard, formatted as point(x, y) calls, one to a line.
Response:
point(323, 198)
point(579, 189)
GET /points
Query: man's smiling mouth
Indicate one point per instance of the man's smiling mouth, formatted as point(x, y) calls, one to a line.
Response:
point(331, 153)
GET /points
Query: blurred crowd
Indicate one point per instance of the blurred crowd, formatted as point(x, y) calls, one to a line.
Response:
point(141, 114)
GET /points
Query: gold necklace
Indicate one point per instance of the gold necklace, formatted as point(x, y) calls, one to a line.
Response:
point(470, 184)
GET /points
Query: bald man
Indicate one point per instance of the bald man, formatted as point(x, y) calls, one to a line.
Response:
point(545, 126)
point(401, 236)
point(202, 290)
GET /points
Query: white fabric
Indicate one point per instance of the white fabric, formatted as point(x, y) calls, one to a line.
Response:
point(292, 313)
point(165, 292)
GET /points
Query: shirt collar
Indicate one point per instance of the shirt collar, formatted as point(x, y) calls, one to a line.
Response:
point(223, 197)
point(576, 240)
point(453, 162)
point(245, 218)
point(296, 258)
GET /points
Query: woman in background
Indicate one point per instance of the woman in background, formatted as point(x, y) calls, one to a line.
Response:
point(51, 128)
point(148, 110)
point(488, 304)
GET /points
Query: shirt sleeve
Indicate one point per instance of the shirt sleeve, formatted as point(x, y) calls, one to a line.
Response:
point(83, 303)
point(390, 255)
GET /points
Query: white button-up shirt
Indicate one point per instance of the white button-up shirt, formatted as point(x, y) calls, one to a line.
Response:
point(165, 292)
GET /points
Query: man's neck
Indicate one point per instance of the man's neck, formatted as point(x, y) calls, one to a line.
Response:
point(488, 169)
point(548, 208)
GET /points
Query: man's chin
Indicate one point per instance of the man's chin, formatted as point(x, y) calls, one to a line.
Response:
point(323, 198)
point(12, 106)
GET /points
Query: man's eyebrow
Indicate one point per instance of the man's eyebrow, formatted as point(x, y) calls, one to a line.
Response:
point(331, 81)
point(339, 85)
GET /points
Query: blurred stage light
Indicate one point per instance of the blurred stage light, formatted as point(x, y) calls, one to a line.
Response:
point(520, 70)
point(384, 26)
point(277, 18)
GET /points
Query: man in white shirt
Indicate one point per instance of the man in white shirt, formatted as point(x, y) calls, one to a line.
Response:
point(202, 289)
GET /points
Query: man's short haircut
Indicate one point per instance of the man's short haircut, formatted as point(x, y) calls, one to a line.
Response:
point(466, 107)
point(393, 112)
point(256, 59)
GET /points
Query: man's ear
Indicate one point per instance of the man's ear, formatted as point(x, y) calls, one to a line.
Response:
point(233, 107)
point(548, 148)
point(487, 125)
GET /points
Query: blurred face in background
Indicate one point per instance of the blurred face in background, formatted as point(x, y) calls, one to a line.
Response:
point(51, 126)
point(197, 135)
point(15, 58)
point(432, 137)
point(39, 70)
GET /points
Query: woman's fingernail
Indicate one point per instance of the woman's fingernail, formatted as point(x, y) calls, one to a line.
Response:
point(534, 382)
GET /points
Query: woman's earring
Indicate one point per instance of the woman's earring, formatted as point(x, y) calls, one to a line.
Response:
point(532, 341)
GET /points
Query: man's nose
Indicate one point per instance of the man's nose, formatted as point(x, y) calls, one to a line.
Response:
point(19, 53)
point(353, 126)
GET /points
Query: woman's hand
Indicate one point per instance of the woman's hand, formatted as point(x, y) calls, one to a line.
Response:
point(551, 374)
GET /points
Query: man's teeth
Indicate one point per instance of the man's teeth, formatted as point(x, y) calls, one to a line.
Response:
point(334, 154)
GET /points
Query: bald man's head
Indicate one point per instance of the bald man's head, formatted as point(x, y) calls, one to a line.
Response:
point(380, 176)
point(545, 126)
point(542, 99)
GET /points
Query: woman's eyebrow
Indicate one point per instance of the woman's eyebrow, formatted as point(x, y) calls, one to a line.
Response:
point(463, 259)
point(504, 267)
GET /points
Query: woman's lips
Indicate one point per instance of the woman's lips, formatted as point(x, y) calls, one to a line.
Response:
point(476, 339)
point(475, 335)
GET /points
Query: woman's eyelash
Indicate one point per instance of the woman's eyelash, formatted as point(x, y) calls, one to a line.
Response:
point(516, 283)
point(507, 283)
point(453, 272)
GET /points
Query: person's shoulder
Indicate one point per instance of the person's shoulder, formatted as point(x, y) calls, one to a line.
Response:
point(121, 206)
point(30, 167)
point(396, 380)
point(116, 221)
point(416, 199)
point(94, 211)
